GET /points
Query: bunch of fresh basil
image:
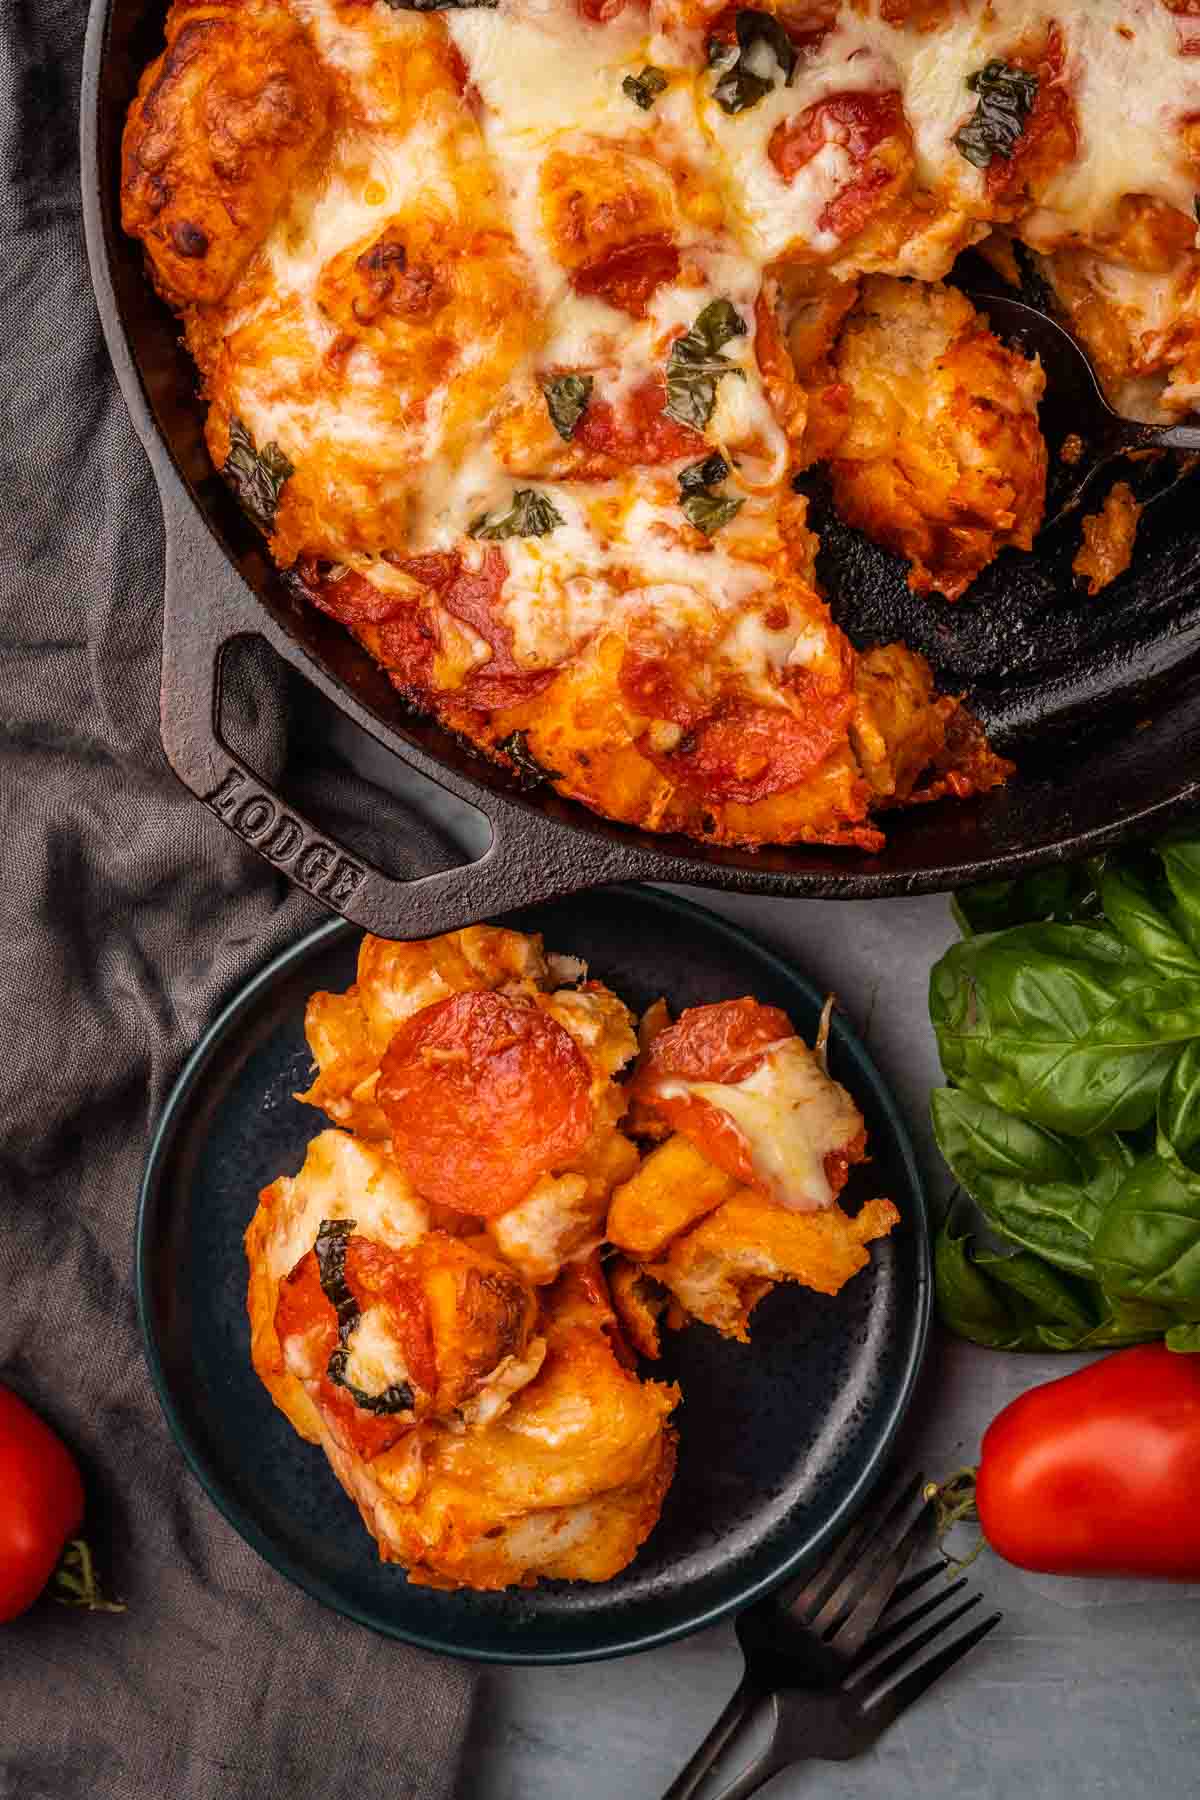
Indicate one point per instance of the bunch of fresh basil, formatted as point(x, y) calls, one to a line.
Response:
point(1068, 1021)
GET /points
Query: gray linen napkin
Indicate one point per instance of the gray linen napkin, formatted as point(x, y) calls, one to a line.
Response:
point(128, 914)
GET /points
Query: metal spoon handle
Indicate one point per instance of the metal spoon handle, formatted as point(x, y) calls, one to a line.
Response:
point(1176, 437)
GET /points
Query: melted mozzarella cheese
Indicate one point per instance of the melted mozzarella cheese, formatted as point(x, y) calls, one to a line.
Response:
point(791, 1115)
point(562, 588)
point(342, 1178)
point(1131, 87)
point(774, 213)
point(375, 1359)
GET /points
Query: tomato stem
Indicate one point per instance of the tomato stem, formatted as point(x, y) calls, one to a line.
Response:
point(953, 1503)
point(74, 1582)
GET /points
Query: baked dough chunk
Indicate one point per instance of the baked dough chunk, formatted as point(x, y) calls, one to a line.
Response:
point(224, 123)
point(486, 1439)
point(742, 1194)
point(492, 354)
point(490, 1089)
point(940, 456)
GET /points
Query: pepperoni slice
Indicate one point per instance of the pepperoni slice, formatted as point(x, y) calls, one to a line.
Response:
point(721, 1042)
point(859, 123)
point(628, 277)
point(304, 1310)
point(483, 1096)
point(746, 752)
point(807, 28)
point(665, 684)
point(640, 433)
point(472, 596)
point(724, 1042)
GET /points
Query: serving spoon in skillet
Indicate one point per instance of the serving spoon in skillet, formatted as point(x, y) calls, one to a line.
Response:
point(1074, 405)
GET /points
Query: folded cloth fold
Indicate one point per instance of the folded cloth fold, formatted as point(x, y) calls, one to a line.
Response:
point(128, 915)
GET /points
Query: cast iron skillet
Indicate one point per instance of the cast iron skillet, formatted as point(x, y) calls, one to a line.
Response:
point(1099, 701)
point(780, 1442)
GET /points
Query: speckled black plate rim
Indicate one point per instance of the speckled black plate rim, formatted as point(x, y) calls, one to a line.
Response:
point(192, 1076)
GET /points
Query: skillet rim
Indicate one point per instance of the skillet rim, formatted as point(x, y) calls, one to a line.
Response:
point(591, 848)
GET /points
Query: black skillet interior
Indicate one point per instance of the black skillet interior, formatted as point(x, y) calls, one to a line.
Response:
point(1097, 700)
point(779, 1442)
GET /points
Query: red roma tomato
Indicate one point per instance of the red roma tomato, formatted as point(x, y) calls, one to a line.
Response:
point(41, 1504)
point(1097, 1474)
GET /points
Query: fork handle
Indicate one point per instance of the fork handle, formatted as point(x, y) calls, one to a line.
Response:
point(728, 1727)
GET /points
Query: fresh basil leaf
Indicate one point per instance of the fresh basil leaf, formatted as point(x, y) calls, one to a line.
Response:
point(1046, 1193)
point(709, 472)
point(1066, 895)
point(529, 771)
point(1125, 1322)
point(256, 476)
point(696, 364)
point(1148, 1244)
point(1006, 98)
point(530, 515)
point(645, 88)
point(1181, 864)
point(1139, 916)
point(567, 397)
point(330, 1250)
point(1052, 1298)
point(1178, 1135)
point(1021, 1303)
point(968, 1303)
point(1060, 1024)
point(747, 75)
point(1185, 1339)
point(708, 512)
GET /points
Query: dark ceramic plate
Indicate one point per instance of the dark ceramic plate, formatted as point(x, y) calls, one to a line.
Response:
point(779, 1442)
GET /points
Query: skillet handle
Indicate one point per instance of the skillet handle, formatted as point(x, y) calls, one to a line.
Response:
point(207, 604)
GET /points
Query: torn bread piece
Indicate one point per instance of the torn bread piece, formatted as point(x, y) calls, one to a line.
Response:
point(489, 1088)
point(742, 1194)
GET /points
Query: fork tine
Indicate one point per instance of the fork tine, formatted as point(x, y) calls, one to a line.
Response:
point(913, 1583)
point(858, 1579)
point(852, 1614)
point(806, 1600)
point(895, 1629)
point(882, 1708)
point(879, 1674)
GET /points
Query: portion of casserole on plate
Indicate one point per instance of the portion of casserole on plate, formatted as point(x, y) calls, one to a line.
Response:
point(428, 1296)
point(517, 319)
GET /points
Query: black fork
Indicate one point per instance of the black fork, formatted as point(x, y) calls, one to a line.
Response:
point(831, 1663)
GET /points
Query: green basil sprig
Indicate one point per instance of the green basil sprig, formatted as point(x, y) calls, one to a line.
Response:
point(696, 364)
point(1006, 98)
point(702, 508)
point(1067, 1038)
point(330, 1249)
point(567, 399)
point(645, 88)
point(1044, 1192)
point(256, 476)
point(530, 515)
point(1065, 895)
point(746, 71)
point(1061, 1024)
point(526, 767)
